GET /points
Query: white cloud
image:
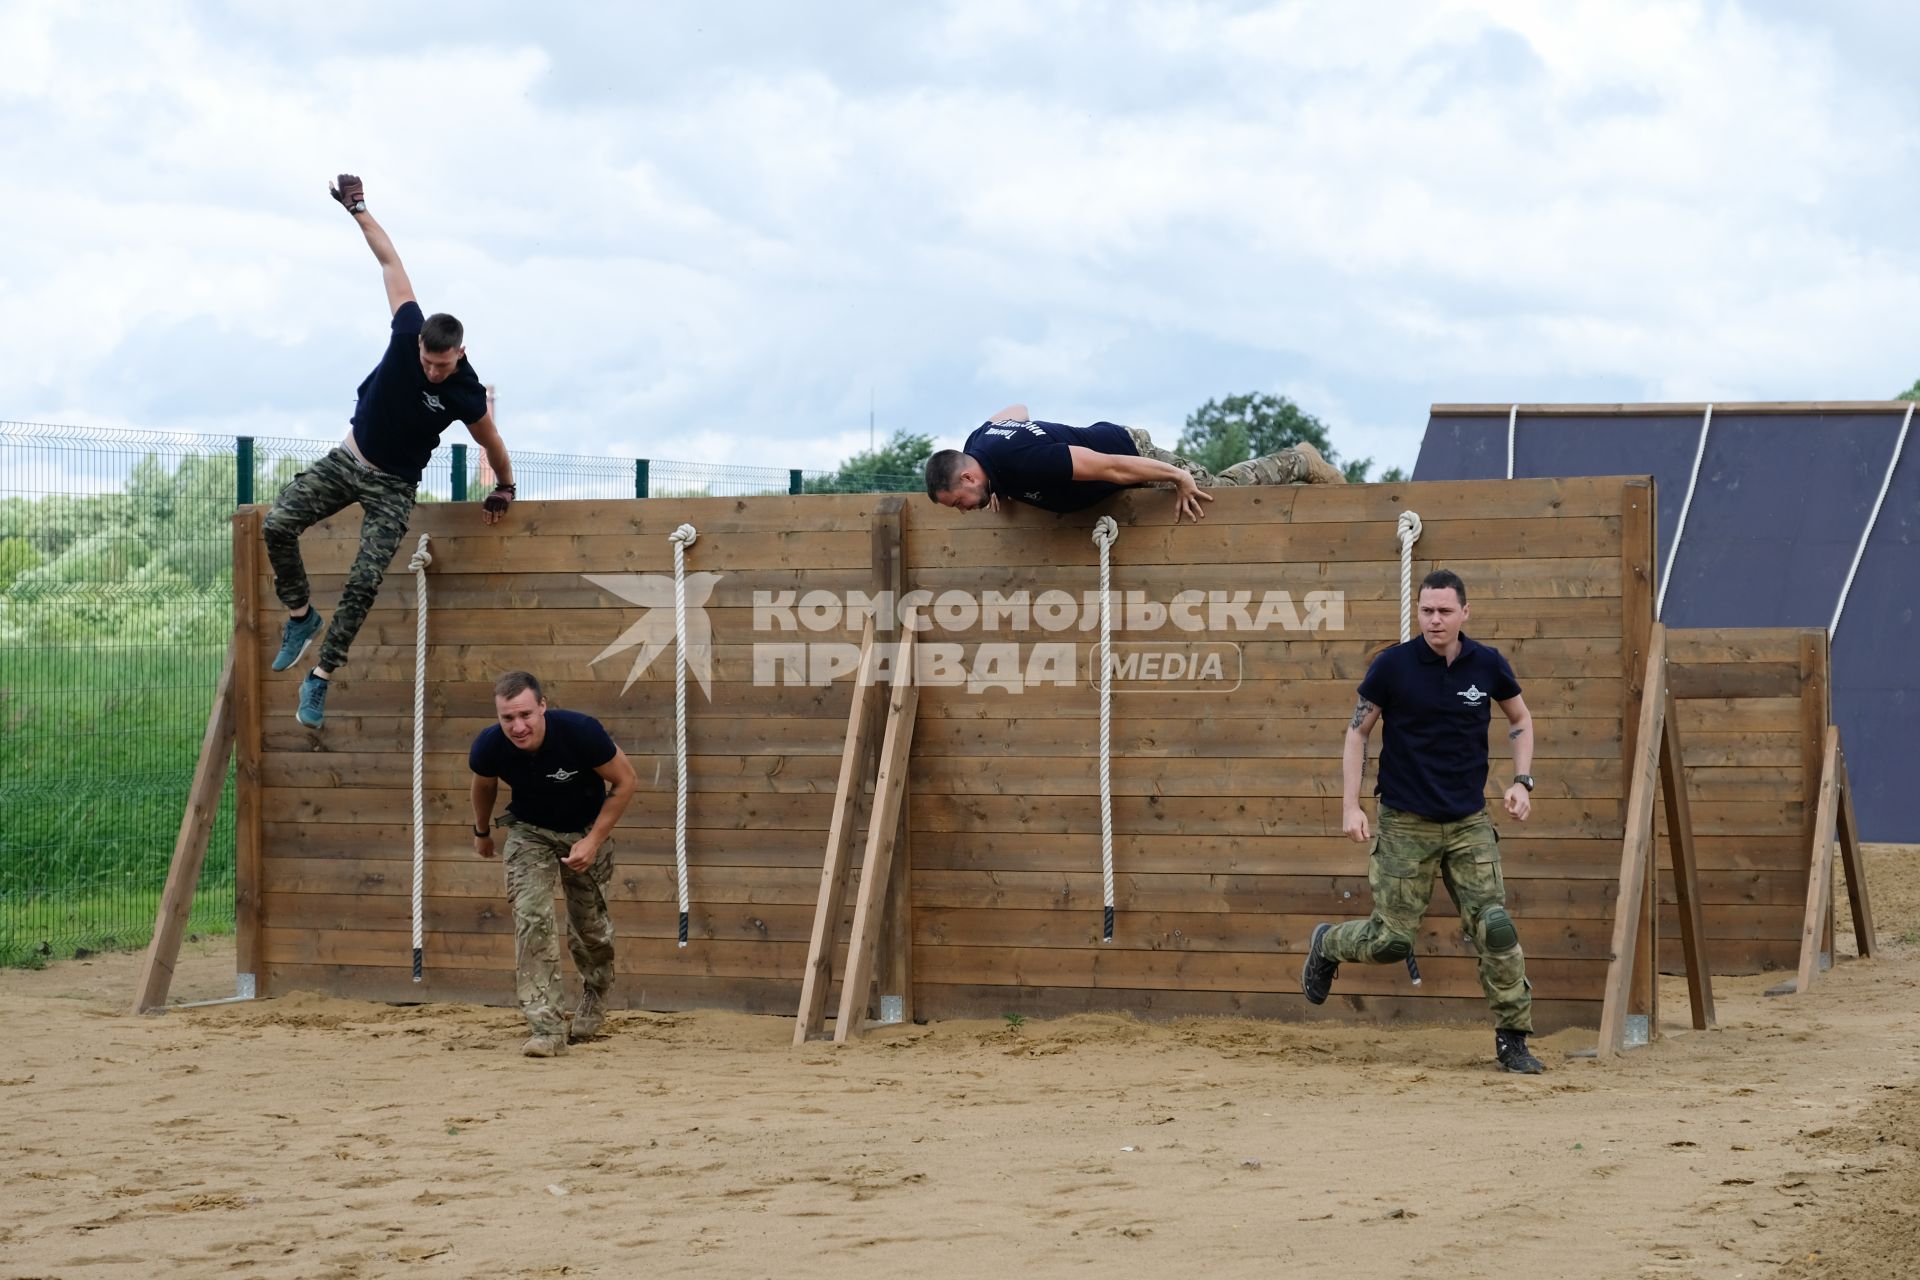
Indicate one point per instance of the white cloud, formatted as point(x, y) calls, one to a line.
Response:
point(684, 237)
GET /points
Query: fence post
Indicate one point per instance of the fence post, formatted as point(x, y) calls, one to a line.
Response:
point(242, 470)
point(459, 473)
point(793, 480)
point(639, 477)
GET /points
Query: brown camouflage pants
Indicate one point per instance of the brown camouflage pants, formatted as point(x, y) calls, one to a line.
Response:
point(1299, 464)
point(534, 875)
point(333, 484)
point(1466, 855)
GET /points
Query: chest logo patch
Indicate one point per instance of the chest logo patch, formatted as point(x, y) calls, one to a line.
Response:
point(433, 402)
point(564, 775)
point(1472, 694)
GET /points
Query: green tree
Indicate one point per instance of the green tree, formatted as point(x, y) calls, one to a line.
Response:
point(898, 466)
point(1222, 432)
point(1911, 393)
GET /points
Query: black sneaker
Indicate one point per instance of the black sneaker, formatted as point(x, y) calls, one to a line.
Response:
point(1511, 1048)
point(1317, 973)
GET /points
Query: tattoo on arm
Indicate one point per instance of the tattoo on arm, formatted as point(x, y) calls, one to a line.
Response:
point(1360, 710)
point(1513, 734)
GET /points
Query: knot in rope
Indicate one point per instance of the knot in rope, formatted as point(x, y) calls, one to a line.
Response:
point(1409, 526)
point(1105, 531)
point(421, 557)
point(684, 536)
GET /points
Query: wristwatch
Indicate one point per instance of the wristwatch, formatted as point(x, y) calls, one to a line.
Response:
point(1524, 780)
point(483, 833)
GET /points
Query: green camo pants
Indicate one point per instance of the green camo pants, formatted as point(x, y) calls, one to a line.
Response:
point(1300, 464)
point(333, 484)
point(1466, 854)
point(534, 875)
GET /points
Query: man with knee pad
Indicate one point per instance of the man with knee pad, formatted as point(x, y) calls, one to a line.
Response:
point(1435, 694)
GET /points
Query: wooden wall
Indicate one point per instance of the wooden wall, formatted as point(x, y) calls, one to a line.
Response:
point(1753, 706)
point(1228, 844)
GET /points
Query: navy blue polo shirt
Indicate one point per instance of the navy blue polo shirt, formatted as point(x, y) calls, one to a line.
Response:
point(1029, 461)
point(555, 787)
point(1433, 756)
point(399, 415)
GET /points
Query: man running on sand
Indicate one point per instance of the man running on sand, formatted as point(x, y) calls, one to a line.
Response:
point(421, 386)
point(1011, 458)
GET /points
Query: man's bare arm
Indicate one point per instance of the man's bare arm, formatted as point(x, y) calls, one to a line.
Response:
point(487, 436)
point(1520, 733)
point(392, 274)
point(1353, 755)
point(1129, 468)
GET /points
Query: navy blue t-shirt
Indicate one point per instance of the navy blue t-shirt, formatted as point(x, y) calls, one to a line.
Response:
point(555, 787)
point(400, 415)
point(1029, 461)
point(1433, 756)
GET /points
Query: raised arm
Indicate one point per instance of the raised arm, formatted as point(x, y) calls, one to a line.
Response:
point(1353, 758)
point(351, 193)
point(1129, 468)
point(1520, 733)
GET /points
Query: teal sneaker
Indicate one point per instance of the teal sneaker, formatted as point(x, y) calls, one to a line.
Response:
point(313, 702)
point(295, 637)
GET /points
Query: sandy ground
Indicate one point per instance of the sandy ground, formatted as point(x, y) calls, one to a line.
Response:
point(310, 1137)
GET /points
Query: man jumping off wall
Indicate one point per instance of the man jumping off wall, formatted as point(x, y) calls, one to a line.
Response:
point(421, 386)
point(1011, 458)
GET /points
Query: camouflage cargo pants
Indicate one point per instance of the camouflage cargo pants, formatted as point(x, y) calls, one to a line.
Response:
point(333, 484)
point(1299, 464)
point(1466, 854)
point(534, 875)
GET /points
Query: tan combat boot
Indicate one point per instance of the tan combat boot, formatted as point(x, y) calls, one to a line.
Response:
point(544, 1046)
point(1318, 469)
point(589, 1017)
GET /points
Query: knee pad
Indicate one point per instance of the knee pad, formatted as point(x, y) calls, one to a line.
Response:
point(1392, 949)
point(1497, 931)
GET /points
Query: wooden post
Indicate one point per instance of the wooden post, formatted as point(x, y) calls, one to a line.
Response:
point(247, 835)
point(1686, 881)
point(895, 966)
point(1636, 852)
point(1863, 940)
point(1639, 572)
point(875, 871)
point(1820, 868)
point(189, 847)
point(818, 976)
point(1815, 716)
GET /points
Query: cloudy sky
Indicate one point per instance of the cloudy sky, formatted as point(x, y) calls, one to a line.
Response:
point(714, 231)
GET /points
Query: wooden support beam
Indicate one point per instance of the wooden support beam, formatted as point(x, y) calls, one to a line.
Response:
point(189, 848)
point(1686, 879)
point(1863, 940)
point(1820, 869)
point(818, 976)
point(894, 971)
point(1636, 852)
point(247, 711)
point(1815, 716)
point(1639, 572)
point(889, 793)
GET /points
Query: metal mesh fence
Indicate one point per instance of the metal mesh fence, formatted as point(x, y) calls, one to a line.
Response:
point(116, 598)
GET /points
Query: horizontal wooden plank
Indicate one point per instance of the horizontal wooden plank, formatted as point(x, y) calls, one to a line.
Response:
point(1735, 680)
point(1545, 577)
point(1198, 818)
point(721, 810)
point(383, 980)
point(473, 877)
point(1692, 646)
point(336, 912)
point(626, 517)
point(602, 553)
point(635, 840)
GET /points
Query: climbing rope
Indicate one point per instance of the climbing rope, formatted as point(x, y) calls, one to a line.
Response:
point(422, 557)
point(1105, 530)
point(1408, 529)
point(681, 538)
point(1886, 482)
point(1513, 421)
point(1686, 504)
